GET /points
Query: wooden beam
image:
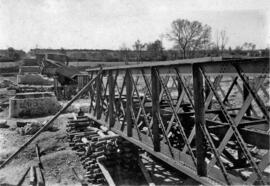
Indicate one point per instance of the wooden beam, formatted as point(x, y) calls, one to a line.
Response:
point(145, 173)
point(106, 173)
point(38, 156)
point(32, 176)
point(199, 121)
point(40, 178)
point(23, 177)
point(79, 178)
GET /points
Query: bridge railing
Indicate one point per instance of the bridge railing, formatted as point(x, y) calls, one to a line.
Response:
point(207, 117)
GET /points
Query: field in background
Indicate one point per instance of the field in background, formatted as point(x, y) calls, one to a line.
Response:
point(13, 67)
point(92, 64)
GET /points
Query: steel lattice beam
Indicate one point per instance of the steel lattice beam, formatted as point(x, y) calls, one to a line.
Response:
point(201, 116)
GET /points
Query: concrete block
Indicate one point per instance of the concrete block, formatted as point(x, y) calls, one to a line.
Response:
point(33, 104)
point(3, 123)
point(34, 79)
point(29, 69)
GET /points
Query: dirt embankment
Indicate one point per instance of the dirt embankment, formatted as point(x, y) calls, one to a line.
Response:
point(56, 157)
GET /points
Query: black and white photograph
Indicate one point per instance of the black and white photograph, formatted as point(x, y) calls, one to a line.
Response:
point(134, 92)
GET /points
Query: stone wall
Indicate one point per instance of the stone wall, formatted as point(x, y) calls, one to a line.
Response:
point(33, 105)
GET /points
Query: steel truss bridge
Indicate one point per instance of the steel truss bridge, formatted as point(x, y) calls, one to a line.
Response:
point(207, 117)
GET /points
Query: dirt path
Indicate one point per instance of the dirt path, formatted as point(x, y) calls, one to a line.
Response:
point(57, 158)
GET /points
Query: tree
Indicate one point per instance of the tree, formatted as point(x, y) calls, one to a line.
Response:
point(217, 47)
point(124, 53)
point(11, 52)
point(189, 36)
point(63, 51)
point(238, 50)
point(155, 50)
point(138, 47)
point(249, 46)
point(223, 40)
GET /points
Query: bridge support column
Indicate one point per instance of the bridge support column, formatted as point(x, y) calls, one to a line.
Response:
point(98, 98)
point(155, 109)
point(245, 95)
point(207, 92)
point(111, 99)
point(179, 88)
point(199, 120)
point(129, 103)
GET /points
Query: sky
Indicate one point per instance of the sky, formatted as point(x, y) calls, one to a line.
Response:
point(108, 24)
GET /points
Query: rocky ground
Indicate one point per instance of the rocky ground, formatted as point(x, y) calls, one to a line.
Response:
point(56, 157)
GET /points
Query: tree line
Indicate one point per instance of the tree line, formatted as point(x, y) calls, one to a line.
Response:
point(10, 54)
point(191, 39)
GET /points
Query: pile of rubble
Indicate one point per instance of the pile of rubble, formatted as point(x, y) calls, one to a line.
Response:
point(30, 128)
point(8, 84)
point(3, 123)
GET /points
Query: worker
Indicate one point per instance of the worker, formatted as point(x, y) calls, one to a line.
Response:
point(80, 113)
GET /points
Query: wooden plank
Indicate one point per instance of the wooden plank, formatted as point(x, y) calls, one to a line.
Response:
point(32, 176)
point(106, 173)
point(23, 177)
point(199, 121)
point(155, 109)
point(40, 178)
point(129, 103)
point(79, 178)
point(38, 156)
point(145, 173)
